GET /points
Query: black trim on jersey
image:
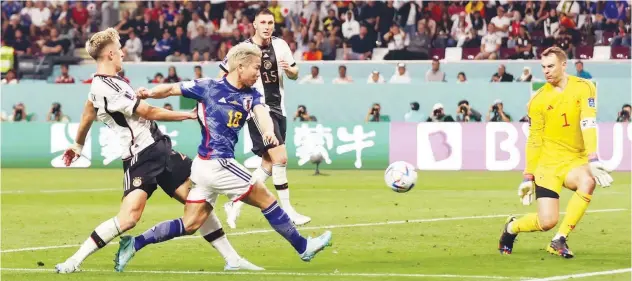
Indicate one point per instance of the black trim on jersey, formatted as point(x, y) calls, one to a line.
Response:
point(135, 106)
point(119, 119)
point(222, 68)
point(111, 83)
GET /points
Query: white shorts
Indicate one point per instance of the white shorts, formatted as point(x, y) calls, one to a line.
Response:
point(219, 176)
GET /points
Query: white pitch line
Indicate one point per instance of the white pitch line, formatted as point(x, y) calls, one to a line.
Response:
point(314, 228)
point(59, 190)
point(582, 275)
point(263, 273)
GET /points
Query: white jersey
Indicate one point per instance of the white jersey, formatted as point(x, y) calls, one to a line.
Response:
point(270, 84)
point(115, 103)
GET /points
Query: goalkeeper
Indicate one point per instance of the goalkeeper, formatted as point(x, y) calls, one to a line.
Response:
point(561, 151)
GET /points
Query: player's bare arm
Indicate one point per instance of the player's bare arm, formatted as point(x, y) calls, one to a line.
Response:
point(159, 92)
point(150, 112)
point(290, 71)
point(262, 113)
point(87, 117)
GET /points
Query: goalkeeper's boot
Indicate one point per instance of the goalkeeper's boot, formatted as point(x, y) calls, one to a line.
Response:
point(315, 245)
point(505, 244)
point(559, 247)
point(125, 253)
point(242, 264)
point(69, 266)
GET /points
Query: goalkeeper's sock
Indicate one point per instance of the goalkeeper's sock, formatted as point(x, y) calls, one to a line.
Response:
point(528, 223)
point(100, 237)
point(574, 212)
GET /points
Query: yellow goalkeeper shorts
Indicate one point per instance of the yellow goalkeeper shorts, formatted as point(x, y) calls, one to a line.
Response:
point(552, 177)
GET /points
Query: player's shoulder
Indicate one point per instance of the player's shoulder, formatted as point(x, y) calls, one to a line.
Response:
point(279, 42)
point(105, 86)
point(582, 81)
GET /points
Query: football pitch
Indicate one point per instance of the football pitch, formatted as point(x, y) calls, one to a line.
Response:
point(446, 228)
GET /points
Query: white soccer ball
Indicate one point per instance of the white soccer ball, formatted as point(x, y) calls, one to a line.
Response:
point(400, 176)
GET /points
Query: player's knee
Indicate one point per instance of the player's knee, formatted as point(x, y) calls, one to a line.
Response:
point(191, 225)
point(548, 222)
point(128, 220)
point(586, 184)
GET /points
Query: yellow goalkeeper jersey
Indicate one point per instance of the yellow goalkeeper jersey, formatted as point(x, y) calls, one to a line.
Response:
point(563, 124)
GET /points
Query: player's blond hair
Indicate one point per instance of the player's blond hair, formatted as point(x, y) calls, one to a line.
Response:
point(100, 40)
point(559, 53)
point(240, 54)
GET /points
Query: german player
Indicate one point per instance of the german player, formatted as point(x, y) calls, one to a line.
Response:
point(148, 159)
point(561, 151)
point(276, 60)
point(223, 105)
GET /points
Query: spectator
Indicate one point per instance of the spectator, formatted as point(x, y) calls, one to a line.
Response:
point(501, 23)
point(350, 27)
point(80, 16)
point(236, 37)
point(361, 46)
point(64, 78)
point(526, 75)
point(375, 78)
point(490, 44)
point(461, 78)
point(409, 14)
point(401, 75)
point(327, 45)
point(8, 32)
point(172, 77)
point(342, 78)
point(19, 113)
point(313, 78)
point(52, 45)
point(495, 78)
point(386, 17)
point(40, 17)
point(497, 114)
point(464, 113)
point(438, 114)
point(125, 26)
point(222, 51)
point(624, 114)
point(567, 40)
point(20, 44)
point(524, 48)
point(460, 34)
point(435, 74)
point(168, 106)
point(193, 26)
point(302, 115)
point(313, 54)
point(133, 47)
point(551, 28)
point(10, 78)
point(227, 24)
point(158, 78)
point(479, 24)
point(414, 115)
point(197, 72)
point(579, 66)
point(55, 114)
point(420, 42)
point(331, 24)
point(397, 42)
point(475, 6)
point(181, 46)
point(10, 7)
point(503, 75)
point(374, 113)
point(622, 36)
point(164, 47)
point(201, 46)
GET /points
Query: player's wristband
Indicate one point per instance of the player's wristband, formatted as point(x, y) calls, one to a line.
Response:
point(77, 147)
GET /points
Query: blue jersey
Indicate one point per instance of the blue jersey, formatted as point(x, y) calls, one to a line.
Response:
point(222, 112)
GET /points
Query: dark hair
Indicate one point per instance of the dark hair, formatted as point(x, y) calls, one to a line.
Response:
point(435, 59)
point(626, 105)
point(197, 67)
point(264, 12)
point(462, 73)
point(316, 67)
point(64, 65)
point(414, 105)
point(167, 104)
point(579, 62)
point(342, 66)
point(464, 102)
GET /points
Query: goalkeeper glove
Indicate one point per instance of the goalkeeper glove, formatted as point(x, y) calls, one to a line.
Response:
point(526, 190)
point(600, 172)
point(72, 153)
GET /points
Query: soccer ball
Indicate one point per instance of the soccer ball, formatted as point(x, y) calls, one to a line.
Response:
point(400, 176)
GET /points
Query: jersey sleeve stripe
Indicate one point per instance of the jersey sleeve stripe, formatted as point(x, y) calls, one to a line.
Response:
point(111, 84)
point(136, 106)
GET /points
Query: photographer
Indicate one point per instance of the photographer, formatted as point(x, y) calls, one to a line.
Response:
point(302, 115)
point(464, 113)
point(624, 114)
point(414, 115)
point(374, 113)
point(438, 115)
point(497, 114)
point(55, 114)
point(19, 113)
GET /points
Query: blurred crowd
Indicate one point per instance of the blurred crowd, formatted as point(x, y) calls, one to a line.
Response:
point(205, 30)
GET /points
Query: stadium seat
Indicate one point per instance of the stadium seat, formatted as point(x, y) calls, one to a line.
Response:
point(469, 53)
point(453, 54)
point(437, 53)
point(584, 52)
point(620, 53)
point(505, 53)
point(538, 52)
point(379, 53)
point(601, 52)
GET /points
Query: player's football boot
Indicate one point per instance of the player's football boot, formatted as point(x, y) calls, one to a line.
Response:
point(232, 214)
point(560, 248)
point(505, 244)
point(242, 264)
point(299, 219)
point(315, 245)
point(69, 266)
point(125, 253)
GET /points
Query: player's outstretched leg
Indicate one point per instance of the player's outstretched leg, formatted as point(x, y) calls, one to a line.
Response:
point(233, 209)
point(131, 210)
point(581, 181)
point(278, 157)
point(307, 248)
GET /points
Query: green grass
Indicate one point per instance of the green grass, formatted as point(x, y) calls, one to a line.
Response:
point(465, 247)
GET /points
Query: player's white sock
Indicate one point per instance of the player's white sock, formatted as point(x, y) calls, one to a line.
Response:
point(279, 178)
point(100, 237)
point(212, 232)
point(509, 228)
